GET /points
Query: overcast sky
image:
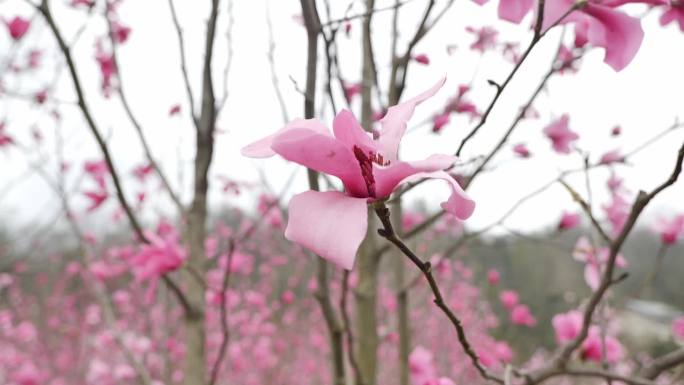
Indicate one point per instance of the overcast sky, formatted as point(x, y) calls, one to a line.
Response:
point(644, 99)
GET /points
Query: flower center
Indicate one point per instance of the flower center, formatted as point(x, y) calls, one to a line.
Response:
point(366, 161)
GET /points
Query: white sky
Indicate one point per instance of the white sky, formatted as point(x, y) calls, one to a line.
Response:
point(644, 99)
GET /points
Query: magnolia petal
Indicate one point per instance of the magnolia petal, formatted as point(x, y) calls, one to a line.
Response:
point(262, 147)
point(514, 10)
point(387, 178)
point(394, 121)
point(348, 131)
point(459, 203)
point(331, 224)
point(620, 34)
point(322, 153)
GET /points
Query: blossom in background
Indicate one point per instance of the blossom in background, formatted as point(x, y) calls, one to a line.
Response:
point(98, 170)
point(5, 139)
point(569, 221)
point(332, 224)
point(485, 38)
point(439, 121)
point(160, 256)
point(422, 59)
point(560, 135)
point(596, 22)
point(610, 157)
point(617, 213)
point(670, 230)
point(521, 315)
point(567, 326)
point(351, 90)
point(595, 260)
point(678, 328)
point(521, 150)
point(17, 27)
point(493, 277)
point(96, 198)
point(509, 299)
point(592, 348)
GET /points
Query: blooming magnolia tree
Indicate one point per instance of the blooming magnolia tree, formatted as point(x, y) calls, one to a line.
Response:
point(343, 282)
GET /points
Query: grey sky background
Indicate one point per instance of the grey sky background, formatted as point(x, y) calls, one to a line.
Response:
point(644, 99)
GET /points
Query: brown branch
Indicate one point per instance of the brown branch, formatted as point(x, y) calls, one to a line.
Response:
point(229, 60)
point(587, 210)
point(45, 11)
point(271, 61)
point(397, 5)
point(663, 363)
point(607, 280)
point(425, 268)
point(184, 66)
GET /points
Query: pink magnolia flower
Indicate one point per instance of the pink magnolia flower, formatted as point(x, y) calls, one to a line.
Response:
point(97, 170)
point(107, 69)
point(160, 256)
point(560, 135)
point(617, 212)
point(421, 366)
point(616, 131)
point(598, 23)
point(613, 156)
point(595, 260)
point(514, 10)
point(567, 325)
point(27, 374)
point(509, 299)
point(493, 277)
point(670, 230)
point(5, 139)
point(351, 90)
point(422, 59)
point(521, 315)
point(332, 224)
point(569, 221)
point(174, 110)
point(593, 347)
point(142, 171)
point(678, 328)
point(566, 60)
point(18, 27)
point(485, 38)
point(614, 184)
point(480, 2)
point(521, 150)
point(503, 352)
point(461, 104)
point(86, 3)
point(439, 121)
point(41, 96)
point(96, 198)
point(675, 12)
point(120, 32)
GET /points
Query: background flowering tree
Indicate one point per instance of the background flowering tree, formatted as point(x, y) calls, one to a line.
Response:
point(145, 276)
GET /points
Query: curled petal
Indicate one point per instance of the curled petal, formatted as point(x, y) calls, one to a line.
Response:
point(459, 203)
point(330, 224)
point(387, 178)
